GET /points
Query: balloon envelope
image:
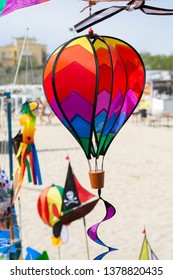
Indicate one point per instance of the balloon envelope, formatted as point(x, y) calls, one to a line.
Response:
point(93, 84)
point(49, 205)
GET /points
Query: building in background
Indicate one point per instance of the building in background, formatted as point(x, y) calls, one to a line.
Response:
point(161, 90)
point(10, 54)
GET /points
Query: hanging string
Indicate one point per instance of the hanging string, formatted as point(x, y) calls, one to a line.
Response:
point(102, 162)
point(92, 231)
point(96, 165)
point(90, 9)
point(89, 164)
point(91, 3)
point(90, 13)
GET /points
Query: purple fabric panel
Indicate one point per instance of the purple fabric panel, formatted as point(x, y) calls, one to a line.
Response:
point(78, 106)
point(12, 5)
point(92, 232)
point(110, 212)
point(116, 105)
point(102, 102)
point(129, 103)
point(56, 109)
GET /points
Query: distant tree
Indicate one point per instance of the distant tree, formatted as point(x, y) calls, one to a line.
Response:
point(157, 62)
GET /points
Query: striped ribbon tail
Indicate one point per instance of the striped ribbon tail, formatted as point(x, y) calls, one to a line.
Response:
point(36, 168)
point(92, 231)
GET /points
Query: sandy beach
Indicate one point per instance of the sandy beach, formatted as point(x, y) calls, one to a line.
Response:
point(138, 182)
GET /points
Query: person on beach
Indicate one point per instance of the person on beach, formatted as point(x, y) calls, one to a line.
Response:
point(47, 112)
point(41, 112)
point(135, 116)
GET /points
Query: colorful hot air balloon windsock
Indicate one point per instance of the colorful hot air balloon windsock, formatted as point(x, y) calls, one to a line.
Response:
point(93, 84)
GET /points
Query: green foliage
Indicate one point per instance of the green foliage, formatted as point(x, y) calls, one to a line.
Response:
point(152, 62)
point(7, 75)
point(157, 62)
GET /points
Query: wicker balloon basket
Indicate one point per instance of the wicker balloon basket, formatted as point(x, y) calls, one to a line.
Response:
point(97, 179)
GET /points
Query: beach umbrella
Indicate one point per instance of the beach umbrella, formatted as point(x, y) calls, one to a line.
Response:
point(93, 84)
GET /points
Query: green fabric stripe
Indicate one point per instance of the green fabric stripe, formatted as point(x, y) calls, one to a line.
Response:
point(105, 140)
point(85, 146)
point(28, 170)
point(2, 5)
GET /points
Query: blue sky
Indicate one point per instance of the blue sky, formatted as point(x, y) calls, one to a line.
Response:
point(50, 23)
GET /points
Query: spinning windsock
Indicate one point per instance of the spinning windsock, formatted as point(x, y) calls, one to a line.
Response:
point(58, 206)
point(93, 84)
point(25, 148)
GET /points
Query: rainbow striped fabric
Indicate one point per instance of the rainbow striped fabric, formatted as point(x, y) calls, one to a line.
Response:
point(93, 85)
